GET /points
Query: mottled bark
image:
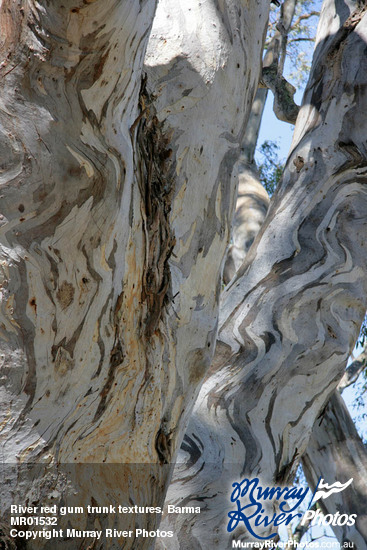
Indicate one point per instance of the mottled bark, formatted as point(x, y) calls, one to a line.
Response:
point(272, 78)
point(273, 58)
point(70, 211)
point(284, 106)
point(252, 200)
point(336, 453)
point(356, 367)
point(117, 197)
point(274, 370)
point(251, 208)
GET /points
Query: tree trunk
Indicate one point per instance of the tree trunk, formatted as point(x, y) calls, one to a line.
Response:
point(115, 202)
point(252, 200)
point(274, 369)
point(336, 453)
point(68, 205)
point(251, 208)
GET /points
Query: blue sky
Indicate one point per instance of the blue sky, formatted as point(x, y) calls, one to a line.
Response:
point(275, 130)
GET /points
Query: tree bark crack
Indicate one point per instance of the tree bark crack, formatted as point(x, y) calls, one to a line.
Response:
point(156, 193)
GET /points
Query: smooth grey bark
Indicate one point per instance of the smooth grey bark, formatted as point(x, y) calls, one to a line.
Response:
point(253, 127)
point(274, 370)
point(117, 196)
point(252, 200)
point(336, 452)
point(251, 207)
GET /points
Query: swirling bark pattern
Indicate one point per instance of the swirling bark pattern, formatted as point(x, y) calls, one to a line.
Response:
point(117, 197)
point(290, 317)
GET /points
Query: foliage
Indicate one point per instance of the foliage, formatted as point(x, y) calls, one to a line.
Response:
point(300, 39)
point(359, 387)
point(361, 397)
point(270, 167)
point(360, 405)
point(362, 338)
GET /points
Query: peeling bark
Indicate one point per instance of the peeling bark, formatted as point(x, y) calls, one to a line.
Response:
point(274, 370)
point(156, 187)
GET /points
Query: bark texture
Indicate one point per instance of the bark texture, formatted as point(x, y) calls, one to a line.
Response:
point(251, 208)
point(252, 200)
point(67, 224)
point(117, 197)
point(352, 372)
point(274, 370)
point(336, 452)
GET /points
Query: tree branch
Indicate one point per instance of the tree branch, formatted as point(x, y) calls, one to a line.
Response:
point(301, 40)
point(304, 17)
point(336, 452)
point(251, 208)
point(353, 371)
point(285, 108)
